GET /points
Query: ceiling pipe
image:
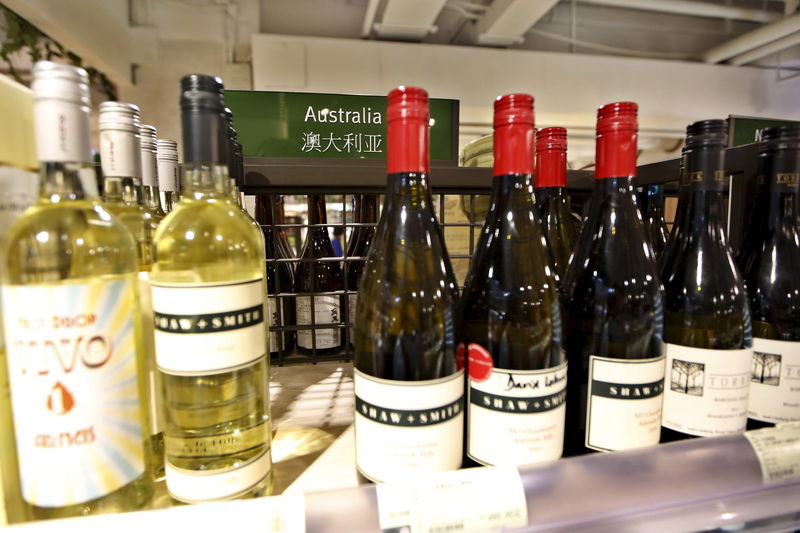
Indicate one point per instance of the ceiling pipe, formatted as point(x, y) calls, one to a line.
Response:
point(369, 18)
point(753, 39)
point(767, 49)
point(409, 19)
point(506, 21)
point(694, 9)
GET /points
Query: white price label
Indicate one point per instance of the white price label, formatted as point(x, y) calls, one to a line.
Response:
point(778, 451)
point(478, 500)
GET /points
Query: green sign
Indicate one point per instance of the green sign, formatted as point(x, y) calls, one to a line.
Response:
point(310, 125)
point(744, 130)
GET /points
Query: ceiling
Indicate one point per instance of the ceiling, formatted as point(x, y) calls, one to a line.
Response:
point(665, 29)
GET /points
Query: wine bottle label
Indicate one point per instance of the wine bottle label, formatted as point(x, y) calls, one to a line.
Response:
point(775, 381)
point(469, 500)
point(624, 403)
point(404, 428)
point(776, 449)
point(197, 486)
point(327, 310)
point(120, 154)
point(517, 416)
point(72, 364)
point(706, 390)
point(208, 328)
point(275, 338)
point(154, 382)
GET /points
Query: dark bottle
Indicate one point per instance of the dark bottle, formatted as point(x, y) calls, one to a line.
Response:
point(510, 316)
point(315, 276)
point(652, 208)
point(280, 279)
point(551, 195)
point(365, 212)
point(706, 316)
point(280, 222)
point(614, 308)
point(405, 331)
point(770, 259)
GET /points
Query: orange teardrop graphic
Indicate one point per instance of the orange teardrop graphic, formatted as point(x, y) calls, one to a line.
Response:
point(60, 400)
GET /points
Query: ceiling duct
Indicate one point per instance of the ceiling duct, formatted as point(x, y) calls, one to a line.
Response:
point(506, 21)
point(753, 39)
point(693, 9)
point(408, 19)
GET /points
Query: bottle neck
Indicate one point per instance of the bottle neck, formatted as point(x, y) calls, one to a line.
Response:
point(67, 181)
point(151, 197)
point(551, 168)
point(654, 201)
point(512, 192)
point(366, 211)
point(205, 181)
point(316, 210)
point(704, 184)
point(122, 190)
point(513, 149)
point(779, 182)
point(410, 189)
point(264, 208)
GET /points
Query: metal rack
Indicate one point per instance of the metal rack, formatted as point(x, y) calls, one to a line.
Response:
point(343, 178)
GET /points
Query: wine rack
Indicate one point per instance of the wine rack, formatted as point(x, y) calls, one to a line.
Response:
point(342, 178)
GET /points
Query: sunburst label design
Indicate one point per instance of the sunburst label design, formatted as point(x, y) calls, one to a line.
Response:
point(71, 357)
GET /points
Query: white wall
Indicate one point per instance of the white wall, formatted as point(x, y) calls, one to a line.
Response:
point(567, 88)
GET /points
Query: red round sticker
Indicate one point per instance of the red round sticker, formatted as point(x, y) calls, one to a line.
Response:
point(480, 362)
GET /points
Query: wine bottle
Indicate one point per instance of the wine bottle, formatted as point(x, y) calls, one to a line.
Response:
point(706, 314)
point(313, 276)
point(280, 223)
point(209, 298)
point(510, 317)
point(614, 306)
point(150, 192)
point(168, 180)
point(652, 207)
point(551, 195)
point(122, 195)
point(72, 325)
point(770, 258)
point(405, 330)
point(280, 279)
point(365, 212)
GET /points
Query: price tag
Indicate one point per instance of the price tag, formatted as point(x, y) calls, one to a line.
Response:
point(778, 451)
point(475, 500)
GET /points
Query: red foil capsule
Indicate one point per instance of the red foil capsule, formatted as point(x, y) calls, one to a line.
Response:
point(513, 134)
point(407, 117)
point(615, 155)
point(551, 157)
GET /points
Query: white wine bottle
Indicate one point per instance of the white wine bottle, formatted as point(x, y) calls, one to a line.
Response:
point(151, 196)
point(209, 300)
point(168, 180)
point(72, 325)
point(122, 196)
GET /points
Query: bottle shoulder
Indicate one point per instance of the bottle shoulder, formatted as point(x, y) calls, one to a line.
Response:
point(73, 239)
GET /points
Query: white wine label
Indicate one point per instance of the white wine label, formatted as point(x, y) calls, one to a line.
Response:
point(72, 364)
point(476, 500)
point(154, 383)
point(778, 451)
point(275, 338)
point(517, 416)
point(775, 381)
point(208, 328)
point(327, 310)
point(196, 486)
point(404, 428)
point(706, 390)
point(624, 403)
point(120, 154)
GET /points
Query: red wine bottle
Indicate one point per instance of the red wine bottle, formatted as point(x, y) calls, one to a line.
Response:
point(510, 316)
point(614, 307)
point(770, 258)
point(706, 315)
point(280, 279)
point(365, 212)
point(314, 276)
point(409, 391)
point(551, 195)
